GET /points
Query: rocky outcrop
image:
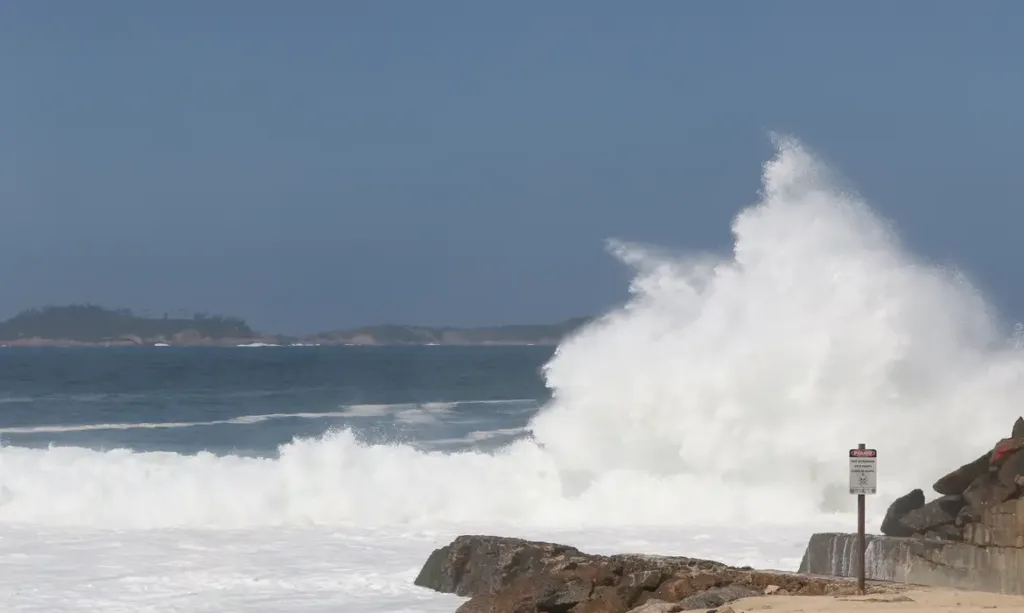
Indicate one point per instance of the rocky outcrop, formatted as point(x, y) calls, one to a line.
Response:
point(973, 497)
point(507, 575)
point(891, 524)
point(960, 479)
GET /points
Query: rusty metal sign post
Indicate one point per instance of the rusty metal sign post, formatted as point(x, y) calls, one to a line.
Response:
point(863, 481)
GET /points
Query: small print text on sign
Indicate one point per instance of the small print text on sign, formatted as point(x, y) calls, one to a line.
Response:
point(863, 471)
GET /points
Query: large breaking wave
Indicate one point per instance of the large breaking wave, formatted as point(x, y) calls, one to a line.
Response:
point(726, 389)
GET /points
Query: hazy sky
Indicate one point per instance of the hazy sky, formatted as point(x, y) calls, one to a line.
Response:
point(311, 164)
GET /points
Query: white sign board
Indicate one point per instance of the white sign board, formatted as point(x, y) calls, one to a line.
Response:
point(863, 471)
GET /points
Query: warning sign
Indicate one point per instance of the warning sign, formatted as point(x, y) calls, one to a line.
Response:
point(863, 471)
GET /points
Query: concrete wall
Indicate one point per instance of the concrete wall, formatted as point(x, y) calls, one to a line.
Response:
point(1002, 526)
point(917, 561)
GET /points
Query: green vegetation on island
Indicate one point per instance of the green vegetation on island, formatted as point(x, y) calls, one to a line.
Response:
point(89, 324)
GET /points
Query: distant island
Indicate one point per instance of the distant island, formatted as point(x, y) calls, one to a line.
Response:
point(93, 325)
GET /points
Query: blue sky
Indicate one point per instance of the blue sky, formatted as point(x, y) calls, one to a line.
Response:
point(321, 164)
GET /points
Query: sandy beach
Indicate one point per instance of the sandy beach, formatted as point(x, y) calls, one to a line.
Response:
point(916, 599)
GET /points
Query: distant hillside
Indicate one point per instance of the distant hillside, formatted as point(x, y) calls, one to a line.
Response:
point(91, 324)
point(88, 324)
point(395, 334)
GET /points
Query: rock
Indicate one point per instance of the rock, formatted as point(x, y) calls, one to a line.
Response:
point(514, 599)
point(475, 565)
point(716, 597)
point(678, 587)
point(673, 590)
point(725, 609)
point(609, 599)
point(657, 606)
point(769, 590)
point(563, 594)
point(891, 525)
point(938, 512)
point(1004, 449)
point(985, 492)
point(643, 579)
point(788, 583)
point(504, 575)
point(667, 565)
point(559, 593)
point(964, 517)
point(951, 504)
point(1011, 469)
point(1018, 428)
point(949, 532)
point(958, 480)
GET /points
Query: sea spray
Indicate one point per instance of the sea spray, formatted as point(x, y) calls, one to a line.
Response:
point(819, 332)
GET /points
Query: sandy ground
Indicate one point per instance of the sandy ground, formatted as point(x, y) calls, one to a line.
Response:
point(916, 599)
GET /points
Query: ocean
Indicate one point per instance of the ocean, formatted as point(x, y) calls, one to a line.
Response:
point(710, 416)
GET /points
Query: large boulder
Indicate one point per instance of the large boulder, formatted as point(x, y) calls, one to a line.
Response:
point(473, 565)
point(958, 480)
point(937, 513)
point(891, 524)
point(507, 575)
point(476, 564)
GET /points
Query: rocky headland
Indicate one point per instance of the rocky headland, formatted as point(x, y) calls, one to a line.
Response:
point(977, 503)
point(508, 575)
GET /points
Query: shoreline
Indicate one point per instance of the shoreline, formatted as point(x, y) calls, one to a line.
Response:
point(249, 343)
point(497, 574)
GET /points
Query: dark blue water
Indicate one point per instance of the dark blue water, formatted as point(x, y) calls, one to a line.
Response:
point(166, 398)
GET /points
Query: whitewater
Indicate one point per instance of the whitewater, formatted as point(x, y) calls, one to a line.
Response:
point(710, 415)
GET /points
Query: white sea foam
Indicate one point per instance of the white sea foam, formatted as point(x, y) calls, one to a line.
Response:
point(404, 412)
point(478, 436)
point(243, 419)
point(409, 413)
point(297, 570)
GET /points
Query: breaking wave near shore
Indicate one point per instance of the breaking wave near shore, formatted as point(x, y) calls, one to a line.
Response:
point(726, 389)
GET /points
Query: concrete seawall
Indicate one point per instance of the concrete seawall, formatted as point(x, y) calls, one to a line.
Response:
point(918, 561)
